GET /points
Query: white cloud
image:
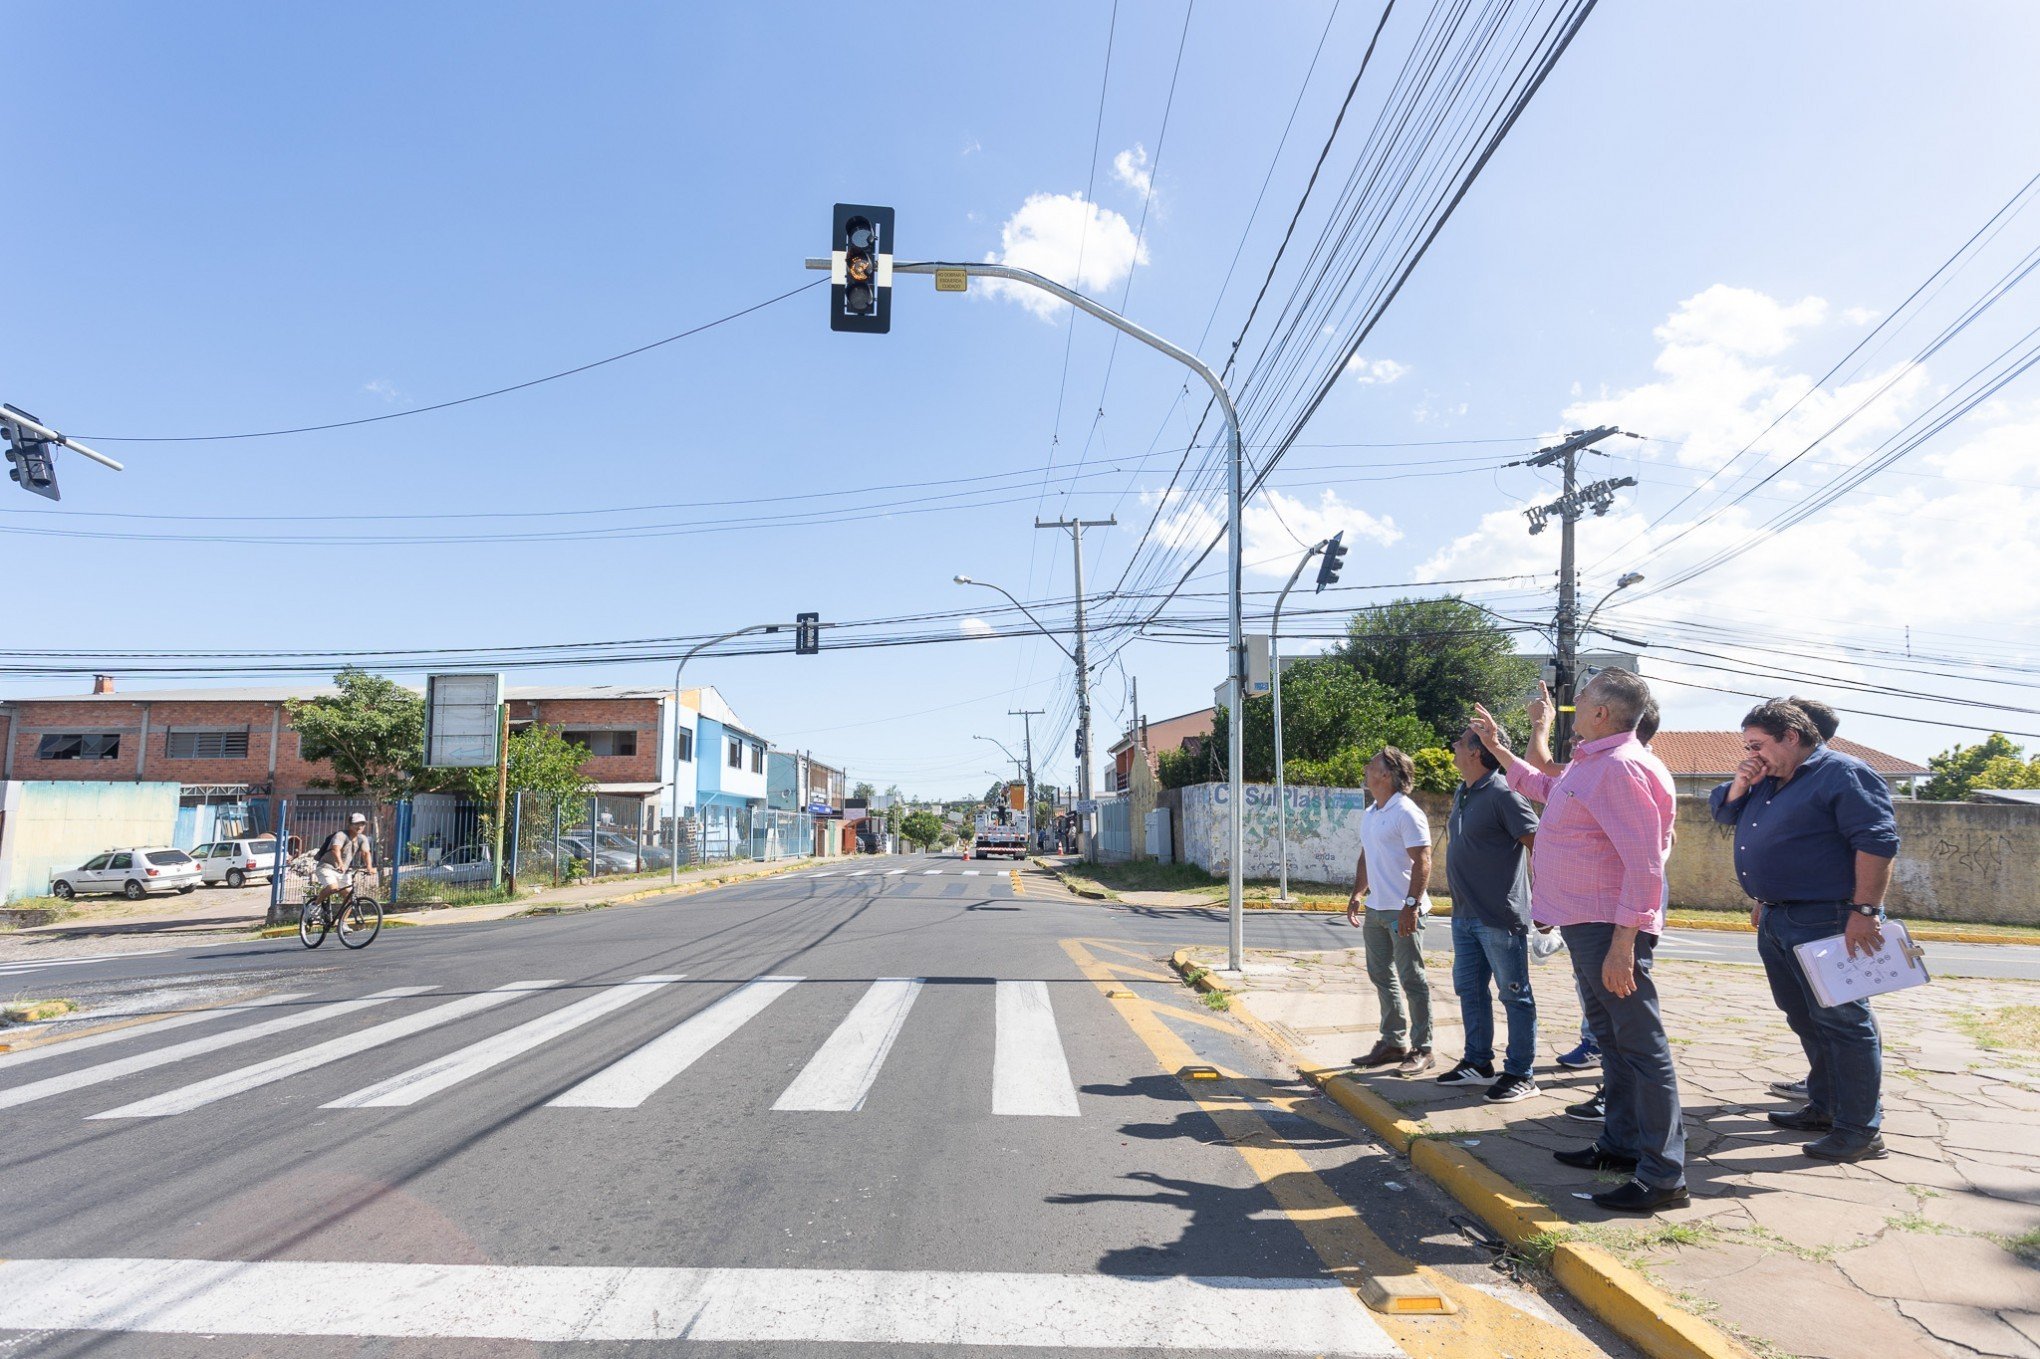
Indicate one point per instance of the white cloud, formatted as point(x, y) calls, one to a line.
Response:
point(1050, 234)
point(1951, 550)
point(1376, 372)
point(1129, 167)
point(976, 627)
point(1859, 316)
point(1741, 320)
point(383, 388)
point(971, 146)
point(1274, 522)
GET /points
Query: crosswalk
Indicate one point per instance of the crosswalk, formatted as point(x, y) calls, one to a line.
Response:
point(1029, 1078)
point(883, 873)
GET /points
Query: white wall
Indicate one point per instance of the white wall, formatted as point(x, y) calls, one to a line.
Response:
point(49, 826)
point(1324, 831)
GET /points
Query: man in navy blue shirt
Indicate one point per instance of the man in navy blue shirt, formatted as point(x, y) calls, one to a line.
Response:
point(1814, 841)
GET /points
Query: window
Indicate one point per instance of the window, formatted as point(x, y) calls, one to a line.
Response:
point(684, 750)
point(163, 858)
point(206, 851)
point(86, 745)
point(206, 745)
point(757, 759)
point(120, 861)
point(736, 753)
point(603, 742)
point(97, 861)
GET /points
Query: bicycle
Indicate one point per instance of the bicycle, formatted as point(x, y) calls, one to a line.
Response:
point(356, 917)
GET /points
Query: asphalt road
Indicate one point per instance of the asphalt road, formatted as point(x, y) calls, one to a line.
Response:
point(902, 1106)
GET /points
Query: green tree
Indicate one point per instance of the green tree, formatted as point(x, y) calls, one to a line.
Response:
point(921, 828)
point(372, 733)
point(543, 764)
point(2007, 771)
point(1959, 769)
point(1181, 768)
point(1327, 707)
point(1445, 655)
point(865, 791)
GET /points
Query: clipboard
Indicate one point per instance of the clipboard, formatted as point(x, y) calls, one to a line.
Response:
point(1837, 979)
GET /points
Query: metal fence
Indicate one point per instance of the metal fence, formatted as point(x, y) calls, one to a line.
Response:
point(1115, 829)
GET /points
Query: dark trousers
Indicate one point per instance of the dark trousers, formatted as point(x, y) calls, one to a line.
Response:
point(1844, 1052)
point(1484, 954)
point(1644, 1119)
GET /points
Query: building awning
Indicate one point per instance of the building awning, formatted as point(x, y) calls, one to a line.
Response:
point(628, 789)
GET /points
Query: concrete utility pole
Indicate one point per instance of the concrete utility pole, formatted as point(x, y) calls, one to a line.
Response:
point(1026, 716)
point(1575, 501)
point(1084, 792)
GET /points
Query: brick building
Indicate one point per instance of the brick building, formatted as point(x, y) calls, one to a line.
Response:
point(1186, 731)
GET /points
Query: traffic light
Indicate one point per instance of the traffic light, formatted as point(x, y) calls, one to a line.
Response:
point(807, 634)
point(1335, 560)
point(1080, 745)
point(32, 459)
point(860, 269)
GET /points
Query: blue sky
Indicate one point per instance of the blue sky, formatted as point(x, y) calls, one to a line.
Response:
point(236, 217)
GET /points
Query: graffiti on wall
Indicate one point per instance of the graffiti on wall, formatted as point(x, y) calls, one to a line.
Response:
point(1323, 830)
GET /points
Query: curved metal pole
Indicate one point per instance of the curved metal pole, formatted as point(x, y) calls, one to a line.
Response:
point(1275, 679)
point(673, 822)
point(1039, 625)
point(1236, 646)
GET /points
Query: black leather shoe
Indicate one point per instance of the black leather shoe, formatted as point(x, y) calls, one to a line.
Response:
point(1592, 1157)
point(1807, 1119)
point(1638, 1197)
point(1835, 1147)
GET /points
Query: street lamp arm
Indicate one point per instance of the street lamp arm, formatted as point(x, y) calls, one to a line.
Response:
point(1039, 625)
point(674, 821)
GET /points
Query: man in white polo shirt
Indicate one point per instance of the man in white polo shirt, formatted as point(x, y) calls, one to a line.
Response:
point(1389, 904)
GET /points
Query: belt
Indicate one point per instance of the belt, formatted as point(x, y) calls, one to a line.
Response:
point(1824, 901)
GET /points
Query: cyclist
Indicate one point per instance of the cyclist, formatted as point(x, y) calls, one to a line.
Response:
point(343, 851)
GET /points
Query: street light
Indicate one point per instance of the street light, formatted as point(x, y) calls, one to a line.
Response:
point(985, 584)
point(673, 826)
point(1328, 574)
point(1628, 579)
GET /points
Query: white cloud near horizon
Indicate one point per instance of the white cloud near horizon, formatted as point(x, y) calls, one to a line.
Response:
point(1069, 239)
point(1273, 523)
point(1376, 372)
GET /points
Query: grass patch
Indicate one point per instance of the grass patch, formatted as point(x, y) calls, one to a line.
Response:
point(1217, 1000)
point(35, 1011)
point(2008, 1026)
point(1925, 931)
point(52, 909)
point(2026, 1245)
point(1921, 1224)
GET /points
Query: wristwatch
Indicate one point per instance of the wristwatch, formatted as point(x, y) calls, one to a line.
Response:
point(1409, 903)
point(1860, 908)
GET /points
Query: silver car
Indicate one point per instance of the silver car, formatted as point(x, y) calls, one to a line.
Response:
point(134, 873)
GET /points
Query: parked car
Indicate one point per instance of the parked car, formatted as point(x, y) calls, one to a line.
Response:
point(614, 843)
point(134, 873)
point(468, 866)
point(607, 860)
point(237, 862)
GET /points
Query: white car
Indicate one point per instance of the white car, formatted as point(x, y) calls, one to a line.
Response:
point(468, 866)
point(134, 873)
point(237, 862)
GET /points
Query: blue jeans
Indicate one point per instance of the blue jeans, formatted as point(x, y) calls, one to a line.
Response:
point(1642, 1089)
point(1844, 1052)
point(1481, 954)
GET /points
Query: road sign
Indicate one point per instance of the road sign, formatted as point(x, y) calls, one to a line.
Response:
point(463, 715)
point(1086, 806)
point(952, 280)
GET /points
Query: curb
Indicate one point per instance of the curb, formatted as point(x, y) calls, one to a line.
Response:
point(1922, 933)
point(1635, 1308)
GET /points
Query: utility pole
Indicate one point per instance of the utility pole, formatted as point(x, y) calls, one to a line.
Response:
point(1076, 528)
point(1026, 716)
point(1598, 496)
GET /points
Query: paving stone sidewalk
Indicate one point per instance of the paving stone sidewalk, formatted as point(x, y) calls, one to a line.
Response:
point(1932, 1252)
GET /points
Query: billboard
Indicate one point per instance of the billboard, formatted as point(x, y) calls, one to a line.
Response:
point(463, 716)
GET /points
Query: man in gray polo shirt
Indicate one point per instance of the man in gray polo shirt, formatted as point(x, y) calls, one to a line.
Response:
point(1487, 865)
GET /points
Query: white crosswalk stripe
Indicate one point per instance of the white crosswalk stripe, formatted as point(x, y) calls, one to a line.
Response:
point(22, 965)
point(177, 1052)
point(897, 1309)
point(839, 1076)
point(931, 872)
point(148, 1030)
point(411, 1086)
point(1030, 1075)
point(630, 1082)
point(189, 1097)
point(971, 873)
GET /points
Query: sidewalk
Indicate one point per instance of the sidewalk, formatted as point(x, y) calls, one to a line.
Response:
point(115, 925)
point(1933, 1252)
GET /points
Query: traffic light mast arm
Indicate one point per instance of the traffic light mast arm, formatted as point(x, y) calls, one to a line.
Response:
point(15, 417)
point(1236, 641)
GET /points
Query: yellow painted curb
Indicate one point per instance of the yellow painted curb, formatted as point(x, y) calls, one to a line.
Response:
point(1636, 1308)
point(1921, 932)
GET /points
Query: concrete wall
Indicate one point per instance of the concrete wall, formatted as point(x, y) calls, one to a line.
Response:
point(1973, 862)
point(47, 826)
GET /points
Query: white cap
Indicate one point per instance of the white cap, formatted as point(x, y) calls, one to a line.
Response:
point(356, 819)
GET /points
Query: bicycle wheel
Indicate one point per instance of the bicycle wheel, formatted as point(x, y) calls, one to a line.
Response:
point(360, 922)
point(311, 924)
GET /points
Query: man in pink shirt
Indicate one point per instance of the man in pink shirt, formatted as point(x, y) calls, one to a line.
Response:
point(1598, 874)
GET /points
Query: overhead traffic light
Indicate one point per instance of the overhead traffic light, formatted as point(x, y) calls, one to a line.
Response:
point(32, 459)
point(807, 634)
point(860, 269)
point(1335, 560)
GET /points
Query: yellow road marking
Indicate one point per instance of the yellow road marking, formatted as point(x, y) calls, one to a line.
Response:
point(1351, 1252)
